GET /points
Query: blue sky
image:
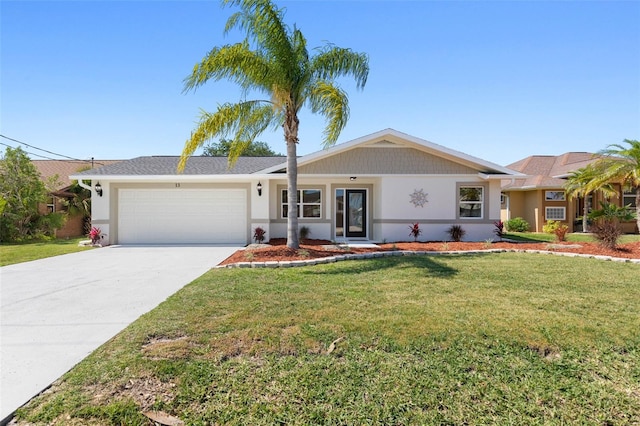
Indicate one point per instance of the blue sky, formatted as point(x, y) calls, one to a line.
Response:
point(500, 80)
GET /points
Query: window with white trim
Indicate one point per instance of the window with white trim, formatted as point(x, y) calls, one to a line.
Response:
point(555, 213)
point(309, 203)
point(471, 202)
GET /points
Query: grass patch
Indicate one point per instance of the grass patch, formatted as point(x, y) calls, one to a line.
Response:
point(25, 252)
point(575, 237)
point(477, 339)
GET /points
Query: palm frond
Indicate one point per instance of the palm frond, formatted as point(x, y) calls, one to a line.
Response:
point(332, 102)
point(245, 120)
point(264, 25)
point(234, 62)
point(623, 162)
point(332, 62)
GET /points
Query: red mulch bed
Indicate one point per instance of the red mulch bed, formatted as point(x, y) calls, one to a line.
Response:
point(314, 249)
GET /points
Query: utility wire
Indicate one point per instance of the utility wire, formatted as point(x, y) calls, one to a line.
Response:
point(49, 152)
point(31, 153)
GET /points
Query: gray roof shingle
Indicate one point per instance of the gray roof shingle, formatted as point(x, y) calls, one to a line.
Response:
point(167, 165)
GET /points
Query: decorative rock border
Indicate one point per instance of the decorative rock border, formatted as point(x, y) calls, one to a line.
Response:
point(377, 254)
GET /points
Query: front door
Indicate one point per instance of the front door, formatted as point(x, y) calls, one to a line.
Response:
point(356, 213)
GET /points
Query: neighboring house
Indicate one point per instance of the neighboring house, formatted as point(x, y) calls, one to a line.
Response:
point(540, 196)
point(59, 170)
point(368, 189)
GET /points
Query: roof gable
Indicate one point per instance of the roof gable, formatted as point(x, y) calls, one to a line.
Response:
point(384, 160)
point(548, 171)
point(392, 139)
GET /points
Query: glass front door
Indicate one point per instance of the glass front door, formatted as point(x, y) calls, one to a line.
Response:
point(351, 213)
point(356, 213)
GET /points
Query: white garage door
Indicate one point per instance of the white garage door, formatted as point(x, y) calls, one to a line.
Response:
point(183, 216)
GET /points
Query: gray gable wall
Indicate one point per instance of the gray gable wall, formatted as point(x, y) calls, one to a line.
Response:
point(373, 161)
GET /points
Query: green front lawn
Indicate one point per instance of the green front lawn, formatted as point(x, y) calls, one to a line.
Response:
point(509, 338)
point(25, 252)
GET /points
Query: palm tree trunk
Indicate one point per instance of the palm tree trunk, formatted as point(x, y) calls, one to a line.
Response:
point(291, 137)
point(585, 212)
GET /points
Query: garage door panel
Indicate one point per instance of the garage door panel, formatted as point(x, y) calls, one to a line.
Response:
point(165, 216)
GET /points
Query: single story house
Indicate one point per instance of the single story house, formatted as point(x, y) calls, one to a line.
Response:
point(369, 189)
point(540, 196)
point(57, 172)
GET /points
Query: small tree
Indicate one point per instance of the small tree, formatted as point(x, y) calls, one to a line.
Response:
point(585, 181)
point(622, 162)
point(225, 146)
point(606, 228)
point(22, 190)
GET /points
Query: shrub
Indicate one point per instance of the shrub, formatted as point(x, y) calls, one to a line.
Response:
point(456, 232)
point(499, 229)
point(606, 228)
point(258, 234)
point(304, 232)
point(561, 232)
point(94, 234)
point(556, 228)
point(517, 224)
point(415, 231)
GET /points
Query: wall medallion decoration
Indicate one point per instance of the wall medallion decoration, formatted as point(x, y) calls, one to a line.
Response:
point(418, 198)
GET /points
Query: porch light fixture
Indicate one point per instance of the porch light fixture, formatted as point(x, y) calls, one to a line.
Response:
point(259, 188)
point(353, 178)
point(99, 189)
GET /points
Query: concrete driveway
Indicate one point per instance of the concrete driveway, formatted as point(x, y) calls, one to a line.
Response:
point(56, 311)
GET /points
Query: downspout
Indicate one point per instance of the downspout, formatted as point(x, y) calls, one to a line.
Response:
point(84, 185)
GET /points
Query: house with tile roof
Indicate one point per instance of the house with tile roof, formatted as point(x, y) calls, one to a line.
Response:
point(540, 196)
point(368, 189)
point(59, 172)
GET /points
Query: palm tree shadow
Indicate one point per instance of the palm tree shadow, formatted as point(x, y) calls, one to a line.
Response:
point(431, 265)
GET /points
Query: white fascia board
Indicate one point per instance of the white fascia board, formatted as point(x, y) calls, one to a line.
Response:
point(494, 176)
point(172, 178)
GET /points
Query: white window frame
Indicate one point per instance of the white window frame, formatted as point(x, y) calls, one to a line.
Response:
point(555, 196)
point(460, 202)
point(301, 203)
point(51, 204)
point(552, 216)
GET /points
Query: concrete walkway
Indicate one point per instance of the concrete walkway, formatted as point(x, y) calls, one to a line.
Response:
point(56, 311)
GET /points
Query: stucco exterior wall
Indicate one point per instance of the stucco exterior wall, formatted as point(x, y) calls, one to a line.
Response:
point(390, 207)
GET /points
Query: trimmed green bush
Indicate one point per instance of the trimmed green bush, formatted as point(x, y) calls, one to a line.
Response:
point(517, 224)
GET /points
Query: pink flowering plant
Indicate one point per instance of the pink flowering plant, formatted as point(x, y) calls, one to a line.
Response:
point(94, 234)
point(415, 231)
point(258, 234)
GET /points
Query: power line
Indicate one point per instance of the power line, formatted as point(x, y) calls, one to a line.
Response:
point(31, 153)
point(49, 152)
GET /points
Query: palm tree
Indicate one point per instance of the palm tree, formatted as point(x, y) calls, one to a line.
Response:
point(622, 163)
point(585, 181)
point(273, 60)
